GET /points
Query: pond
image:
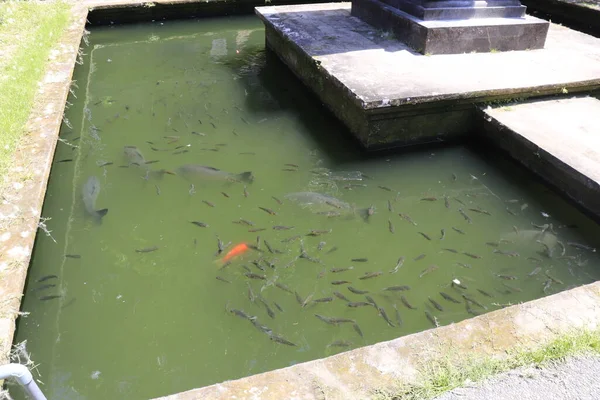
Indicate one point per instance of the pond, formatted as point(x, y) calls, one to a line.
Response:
point(211, 220)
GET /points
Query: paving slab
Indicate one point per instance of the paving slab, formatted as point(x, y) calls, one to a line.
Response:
point(558, 139)
point(389, 95)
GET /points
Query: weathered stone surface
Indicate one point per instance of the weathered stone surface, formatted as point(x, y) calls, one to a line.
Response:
point(557, 139)
point(454, 35)
point(583, 15)
point(389, 96)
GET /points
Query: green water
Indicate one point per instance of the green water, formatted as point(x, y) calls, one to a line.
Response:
point(132, 325)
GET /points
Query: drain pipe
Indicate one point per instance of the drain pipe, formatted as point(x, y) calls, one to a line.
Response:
point(22, 375)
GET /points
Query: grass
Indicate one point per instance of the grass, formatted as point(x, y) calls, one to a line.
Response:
point(28, 31)
point(446, 374)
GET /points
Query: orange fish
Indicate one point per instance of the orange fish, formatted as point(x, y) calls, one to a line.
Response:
point(236, 251)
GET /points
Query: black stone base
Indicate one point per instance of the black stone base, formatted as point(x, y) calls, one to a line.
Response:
point(454, 37)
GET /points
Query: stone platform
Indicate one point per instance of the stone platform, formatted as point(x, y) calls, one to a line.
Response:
point(557, 139)
point(389, 95)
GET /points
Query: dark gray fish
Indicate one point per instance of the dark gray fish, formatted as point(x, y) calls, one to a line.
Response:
point(424, 235)
point(553, 279)
point(202, 172)
point(513, 289)
point(271, 249)
point(334, 320)
point(44, 287)
point(359, 304)
point(200, 224)
point(431, 318)
point(390, 208)
point(429, 199)
point(407, 218)
point(436, 304)
point(357, 329)
point(278, 306)
point(465, 216)
point(268, 210)
point(471, 255)
point(282, 228)
point(443, 231)
point(385, 316)
point(341, 296)
point(387, 189)
point(458, 230)
point(299, 298)
point(323, 300)
point(535, 271)
point(277, 200)
point(340, 282)
point(372, 301)
point(419, 257)
point(480, 211)
point(252, 275)
point(357, 291)
point(398, 316)
point(283, 287)
point(89, 193)
point(77, 256)
point(369, 275)
point(451, 250)
point(334, 248)
point(65, 160)
point(581, 246)
point(340, 343)
point(208, 203)
point(391, 226)
point(472, 300)
point(269, 310)
point(493, 244)
point(291, 239)
point(359, 260)
point(449, 298)
point(464, 265)
point(253, 230)
point(50, 297)
point(483, 292)
point(406, 303)
point(147, 249)
point(428, 270)
point(336, 270)
point(446, 202)
point(400, 288)
point(220, 278)
point(106, 164)
point(242, 221)
point(507, 277)
point(281, 339)
point(318, 232)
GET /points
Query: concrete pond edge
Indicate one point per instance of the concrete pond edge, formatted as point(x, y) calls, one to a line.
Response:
point(360, 373)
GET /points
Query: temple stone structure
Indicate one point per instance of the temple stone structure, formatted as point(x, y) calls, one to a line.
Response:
point(455, 26)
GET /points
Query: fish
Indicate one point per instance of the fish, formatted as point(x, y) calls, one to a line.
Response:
point(387, 189)
point(385, 316)
point(429, 199)
point(407, 218)
point(147, 249)
point(428, 270)
point(449, 298)
point(512, 288)
point(334, 320)
point(443, 232)
point(483, 292)
point(50, 297)
point(424, 235)
point(553, 279)
point(236, 251)
point(451, 250)
point(471, 255)
point(357, 291)
point(369, 275)
point(282, 227)
point(299, 298)
point(278, 306)
point(268, 210)
point(464, 265)
point(355, 304)
point(329, 214)
point(200, 224)
point(446, 202)
point(65, 160)
point(359, 260)
point(334, 248)
point(480, 211)
point(281, 340)
point(208, 203)
point(431, 318)
point(399, 264)
point(277, 200)
point(535, 271)
point(307, 300)
point(493, 244)
point(357, 329)
point(454, 177)
point(581, 246)
point(340, 282)
point(458, 230)
point(220, 278)
point(317, 202)
point(252, 275)
point(202, 172)
point(437, 305)
point(271, 249)
point(323, 300)
point(291, 165)
point(465, 216)
point(336, 270)
point(472, 300)
point(225, 194)
point(396, 288)
point(340, 296)
point(340, 343)
point(44, 287)
point(89, 193)
point(269, 310)
point(390, 208)
point(506, 253)
point(318, 232)
point(77, 256)
point(134, 155)
point(391, 226)
point(283, 287)
point(242, 221)
point(406, 303)
point(106, 164)
point(291, 239)
point(507, 277)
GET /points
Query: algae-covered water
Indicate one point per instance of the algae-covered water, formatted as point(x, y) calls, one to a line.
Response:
point(144, 302)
